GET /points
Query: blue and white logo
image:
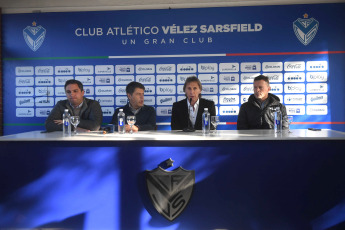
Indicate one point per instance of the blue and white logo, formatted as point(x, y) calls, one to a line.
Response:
point(34, 36)
point(305, 29)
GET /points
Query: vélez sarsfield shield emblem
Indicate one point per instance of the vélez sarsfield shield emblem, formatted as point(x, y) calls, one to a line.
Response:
point(34, 36)
point(305, 29)
point(170, 191)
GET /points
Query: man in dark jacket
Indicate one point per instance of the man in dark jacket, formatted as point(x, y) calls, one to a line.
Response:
point(257, 113)
point(145, 115)
point(88, 110)
point(188, 112)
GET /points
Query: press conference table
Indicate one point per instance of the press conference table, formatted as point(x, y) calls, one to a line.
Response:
point(253, 179)
point(177, 136)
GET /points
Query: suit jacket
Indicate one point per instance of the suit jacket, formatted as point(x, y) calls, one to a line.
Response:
point(145, 118)
point(180, 117)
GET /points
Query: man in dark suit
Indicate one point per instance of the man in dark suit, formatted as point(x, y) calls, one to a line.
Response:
point(194, 103)
point(145, 115)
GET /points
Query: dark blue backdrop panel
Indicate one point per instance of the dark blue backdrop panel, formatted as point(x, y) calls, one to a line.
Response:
point(239, 184)
point(95, 38)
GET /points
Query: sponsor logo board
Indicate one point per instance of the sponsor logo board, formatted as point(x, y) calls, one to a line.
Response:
point(104, 69)
point(106, 101)
point(24, 70)
point(186, 68)
point(294, 66)
point(166, 89)
point(124, 69)
point(166, 68)
point(105, 90)
point(207, 67)
point(43, 112)
point(89, 90)
point(229, 110)
point(84, 69)
point(209, 89)
point(229, 88)
point(44, 91)
point(317, 76)
point(317, 87)
point(294, 99)
point(145, 69)
point(229, 100)
point(121, 79)
point(208, 78)
point(59, 80)
point(272, 66)
point(146, 79)
point(229, 67)
point(250, 67)
point(295, 109)
point(164, 111)
point(248, 77)
point(64, 70)
point(294, 77)
point(25, 81)
point(166, 100)
point(108, 111)
point(25, 112)
point(317, 98)
point(41, 81)
point(25, 101)
point(247, 88)
point(86, 80)
point(44, 70)
point(150, 100)
point(317, 65)
point(44, 101)
point(294, 88)
point(317, 109)
point(274, 77)
point(229, 78)
point(166, 79)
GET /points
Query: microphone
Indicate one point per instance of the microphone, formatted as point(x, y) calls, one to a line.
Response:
point(189, 128)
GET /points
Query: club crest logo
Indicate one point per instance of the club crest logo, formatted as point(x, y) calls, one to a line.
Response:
point(34, 36)
point(170, 191)
point(305, 29)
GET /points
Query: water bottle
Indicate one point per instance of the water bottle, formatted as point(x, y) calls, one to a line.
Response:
point(278, 124)
point(66, 126)
point(121, 119)
point(206, 121)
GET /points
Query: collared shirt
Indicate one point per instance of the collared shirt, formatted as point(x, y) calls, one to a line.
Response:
point(76, 109)
point(134, 111)
point(193, 111)
point(262, 104)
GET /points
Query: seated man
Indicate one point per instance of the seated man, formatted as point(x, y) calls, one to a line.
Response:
point(145, 115)
point(181, 118)
point(257, 113)
point(88, 110)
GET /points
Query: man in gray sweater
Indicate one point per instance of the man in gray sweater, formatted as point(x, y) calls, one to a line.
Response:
point(88, 110)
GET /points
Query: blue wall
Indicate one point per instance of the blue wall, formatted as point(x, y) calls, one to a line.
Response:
point(300, 47)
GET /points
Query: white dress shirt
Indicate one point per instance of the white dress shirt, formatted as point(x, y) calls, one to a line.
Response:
point(193, 111)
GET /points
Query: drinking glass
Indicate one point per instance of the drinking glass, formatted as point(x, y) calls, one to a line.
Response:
point(290, 119)
point(215, 122)
point(131, 121)
point(75, 120)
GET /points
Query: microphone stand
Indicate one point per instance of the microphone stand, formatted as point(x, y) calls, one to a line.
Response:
point(189, 128)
